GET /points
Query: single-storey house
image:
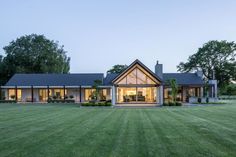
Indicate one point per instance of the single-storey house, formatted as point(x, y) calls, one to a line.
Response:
point(136, 84)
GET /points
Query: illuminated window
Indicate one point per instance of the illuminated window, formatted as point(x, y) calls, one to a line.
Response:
point(12, 94)
point(43, 94)
point(89, 94)
point(59, 93)
point(19, 94)
point(123, 81)
point(136, 76)
point(139, 94)
point(132, 77)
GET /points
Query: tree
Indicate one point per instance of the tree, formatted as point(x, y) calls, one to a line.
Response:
point(229, 90)
point(174, 89)
point(95, 94)
point(117, 69)
point(215, 57)
point(1, 70)
point(34, 54)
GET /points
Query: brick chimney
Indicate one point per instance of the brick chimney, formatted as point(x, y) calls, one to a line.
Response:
point(159, 70)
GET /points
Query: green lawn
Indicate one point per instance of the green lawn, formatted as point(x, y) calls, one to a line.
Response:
point(67, 130)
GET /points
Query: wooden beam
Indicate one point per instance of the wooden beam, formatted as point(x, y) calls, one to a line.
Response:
point(32, 93)
point(48, 91)
point(64, 92)
point(16, 98)
point(80, 94)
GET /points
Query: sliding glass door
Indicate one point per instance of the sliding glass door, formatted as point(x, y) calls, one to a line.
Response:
point(136, 95)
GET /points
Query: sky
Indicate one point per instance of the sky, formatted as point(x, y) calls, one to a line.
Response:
point(98, 34)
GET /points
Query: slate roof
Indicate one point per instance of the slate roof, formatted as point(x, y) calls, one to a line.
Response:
point(54, 79)
point(184, 78)
point(108, 79)
point(88, 79)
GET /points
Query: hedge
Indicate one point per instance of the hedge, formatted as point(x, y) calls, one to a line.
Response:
point(7, 101)
point(61, 101)
point(172, 104)
point(96, 104)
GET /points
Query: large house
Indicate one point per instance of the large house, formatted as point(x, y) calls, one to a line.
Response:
point(136, 84)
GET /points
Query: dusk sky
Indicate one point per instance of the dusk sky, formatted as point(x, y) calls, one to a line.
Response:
point(98, 34)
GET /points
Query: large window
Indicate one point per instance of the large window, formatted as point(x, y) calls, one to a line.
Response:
point(136, 94)
point(102, 96)
point(193, 92)
point(168, 94)
point(12, 94)
point(43, 94)
point(89, 94)
point(136, 76)
point(137, 85)
point(59, 93)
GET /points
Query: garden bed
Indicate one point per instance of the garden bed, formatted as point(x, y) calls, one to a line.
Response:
point(61, 101)
point(172, 104)
point(96, 104)
point(7, 101)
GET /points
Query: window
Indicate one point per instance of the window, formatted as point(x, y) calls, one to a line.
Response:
point(89, 94)
point(43, 94)
point(168, 94)
point(19, 94)
point(12, 94)
point(123, 81)
point(137, 94)
point(58, 93)
point(193, 92)
point(132, 77)
point(136, 76)
point(141, 77)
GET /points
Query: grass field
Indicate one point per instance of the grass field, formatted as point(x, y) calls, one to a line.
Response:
point(67, 130)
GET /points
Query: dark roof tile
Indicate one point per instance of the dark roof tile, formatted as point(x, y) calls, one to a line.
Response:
point(54, 79)
point(184, 78)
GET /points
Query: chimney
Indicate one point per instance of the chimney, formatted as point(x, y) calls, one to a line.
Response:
point(199, 73)
point(159, 70)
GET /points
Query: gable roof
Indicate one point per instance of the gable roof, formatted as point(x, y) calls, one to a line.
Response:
point(142, 65)
point(183, 78)
point(108, 79)
point(54, 79)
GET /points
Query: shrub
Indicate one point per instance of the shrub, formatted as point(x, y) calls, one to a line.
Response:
point(108, 104)
point(60, 101)
point(13, 97)
point(7, 101)
point(96, 104)
point(54, 97)
point(178, 104)
point(165, 104)
point(66, 97)
point(207, 100)
point(171, 104)
point(108, 101)
point(71, 96)
point(199, 100)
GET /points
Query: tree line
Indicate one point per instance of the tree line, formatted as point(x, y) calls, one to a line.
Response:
point(33, 54)
point(37, 54)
